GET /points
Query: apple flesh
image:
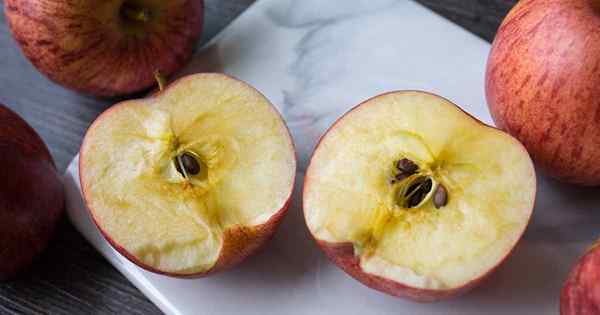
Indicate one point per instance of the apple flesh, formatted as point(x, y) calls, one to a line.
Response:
point(473, 206)
point(31, 194)
point(191, 180)
point(581, 292)
point(542, 84)
point(105, 48)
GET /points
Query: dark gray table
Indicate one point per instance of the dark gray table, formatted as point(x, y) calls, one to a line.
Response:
point(71, 277)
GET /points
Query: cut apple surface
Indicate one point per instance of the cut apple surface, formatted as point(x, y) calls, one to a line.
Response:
point(191, 180)
point(414, 197)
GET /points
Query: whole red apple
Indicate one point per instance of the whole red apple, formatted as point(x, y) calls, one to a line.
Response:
point(105, 48)
point(31, 194)
point(581, 293)
point(542, 85)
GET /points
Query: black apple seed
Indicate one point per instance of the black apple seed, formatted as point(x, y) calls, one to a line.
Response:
point(407, 166)
point(440, 198)
point(426, 187)
point(415, 199)
point(412, 188)
point(190, 164)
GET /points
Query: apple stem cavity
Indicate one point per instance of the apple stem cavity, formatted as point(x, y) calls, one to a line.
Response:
point(134, 13)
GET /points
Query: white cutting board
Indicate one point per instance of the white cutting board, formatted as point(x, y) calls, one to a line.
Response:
point(314, 60)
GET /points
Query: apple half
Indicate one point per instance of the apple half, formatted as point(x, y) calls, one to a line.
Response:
point(414, 197)
point(191, 180)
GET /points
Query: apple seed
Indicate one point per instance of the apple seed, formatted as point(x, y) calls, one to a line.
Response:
point(407, 166)
point(440, 198)
point(189, 163)
point(416, 192)
point(412, 188)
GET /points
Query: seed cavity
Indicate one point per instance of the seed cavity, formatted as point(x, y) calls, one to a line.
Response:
point(440, 197)
point(416, 186)
point(187, 164)
point(416, 192)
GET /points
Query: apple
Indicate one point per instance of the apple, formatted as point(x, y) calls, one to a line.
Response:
point(580, 294)
point(412, 196)
point(31, 194)
point(105, 48)
point(542, 84)
point(192, 179)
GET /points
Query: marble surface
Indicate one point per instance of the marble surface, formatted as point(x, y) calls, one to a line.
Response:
point(315, 60)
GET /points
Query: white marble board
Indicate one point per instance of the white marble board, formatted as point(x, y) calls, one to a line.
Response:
point(314, 60)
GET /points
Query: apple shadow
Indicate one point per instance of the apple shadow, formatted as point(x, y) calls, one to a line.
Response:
point(564, 213)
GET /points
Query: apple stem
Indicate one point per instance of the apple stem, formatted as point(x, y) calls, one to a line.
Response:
point(160, 79)
point(136, 14)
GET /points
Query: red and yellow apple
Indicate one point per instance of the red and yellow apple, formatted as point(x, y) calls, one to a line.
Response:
point(192, 179)
point(31, 194)
point(542, 84)
point(581, 292)
point(414, 197)
point(105, 47)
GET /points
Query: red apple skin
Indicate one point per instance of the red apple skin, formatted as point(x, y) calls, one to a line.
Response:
point(542, 83)
point(31, 194)
point(342, 254)
point(580, 294)
point(85, 46)
point(239, 243)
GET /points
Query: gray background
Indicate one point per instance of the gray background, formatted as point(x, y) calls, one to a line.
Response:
point(71, 277)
